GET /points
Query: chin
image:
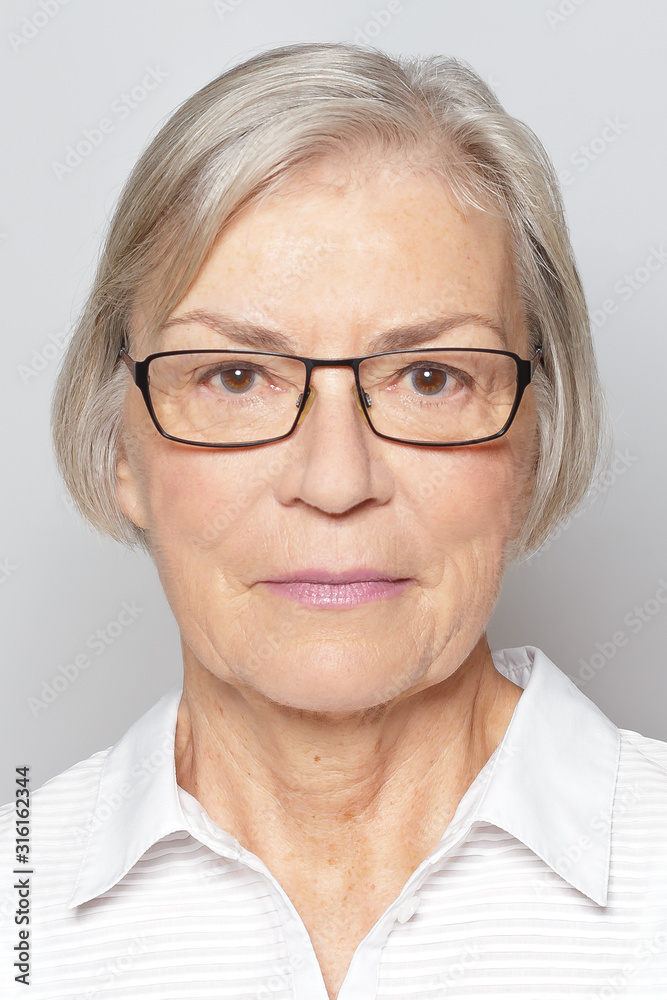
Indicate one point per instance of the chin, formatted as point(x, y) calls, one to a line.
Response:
point(343, 689)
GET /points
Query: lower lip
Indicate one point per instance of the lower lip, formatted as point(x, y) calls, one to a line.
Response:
point(337, 595)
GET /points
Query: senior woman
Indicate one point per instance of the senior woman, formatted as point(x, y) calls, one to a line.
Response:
point(334, 373)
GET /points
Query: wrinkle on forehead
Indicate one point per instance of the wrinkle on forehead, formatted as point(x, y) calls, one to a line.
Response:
point(332, 232)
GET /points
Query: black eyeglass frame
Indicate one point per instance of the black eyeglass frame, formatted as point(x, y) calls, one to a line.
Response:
point(139, 371)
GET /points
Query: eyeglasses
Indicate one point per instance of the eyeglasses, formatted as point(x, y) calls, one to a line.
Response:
point(443, 396)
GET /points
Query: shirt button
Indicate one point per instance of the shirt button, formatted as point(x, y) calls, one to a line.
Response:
point(406, 910)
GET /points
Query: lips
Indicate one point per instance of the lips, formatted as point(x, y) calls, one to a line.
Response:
point(324, 576)
point(321, 588)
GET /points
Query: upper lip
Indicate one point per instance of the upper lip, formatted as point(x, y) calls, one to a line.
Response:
point(326, 576)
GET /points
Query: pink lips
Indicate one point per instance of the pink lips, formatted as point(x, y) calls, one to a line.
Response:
point(321, 589)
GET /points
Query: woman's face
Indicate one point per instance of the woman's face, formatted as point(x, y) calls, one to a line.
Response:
point(330, 262)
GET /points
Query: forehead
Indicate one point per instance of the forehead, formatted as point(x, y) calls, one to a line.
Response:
point(346, 251)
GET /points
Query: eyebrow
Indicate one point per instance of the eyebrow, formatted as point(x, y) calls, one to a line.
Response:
point(398, 338)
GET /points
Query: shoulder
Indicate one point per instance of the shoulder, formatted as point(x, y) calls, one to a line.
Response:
point(59, 821)
point(641, 788)
point(644, 754)
point(60, 809)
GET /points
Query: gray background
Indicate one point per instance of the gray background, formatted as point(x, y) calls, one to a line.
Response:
point(568, 69)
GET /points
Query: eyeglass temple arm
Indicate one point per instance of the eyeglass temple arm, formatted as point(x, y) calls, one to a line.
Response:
point(536, 359)
point(131, 364)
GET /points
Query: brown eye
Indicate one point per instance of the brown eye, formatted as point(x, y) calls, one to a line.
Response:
point(429, 380)
point(237, 379)
point(436, 380)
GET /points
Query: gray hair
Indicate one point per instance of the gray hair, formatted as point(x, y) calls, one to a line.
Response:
point(255, 127)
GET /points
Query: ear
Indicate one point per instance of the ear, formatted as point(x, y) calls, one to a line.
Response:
point(128, 491)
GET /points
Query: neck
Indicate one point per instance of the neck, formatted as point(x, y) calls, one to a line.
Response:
point(289, 782)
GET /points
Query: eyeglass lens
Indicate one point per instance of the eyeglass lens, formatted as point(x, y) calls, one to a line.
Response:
point(421, 396)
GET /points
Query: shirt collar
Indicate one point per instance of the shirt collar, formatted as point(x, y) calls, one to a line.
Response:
point(550, 784)
point(137, 801)
point(554, 773)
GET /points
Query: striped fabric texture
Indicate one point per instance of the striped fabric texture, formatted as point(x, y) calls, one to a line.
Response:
point(550, 882)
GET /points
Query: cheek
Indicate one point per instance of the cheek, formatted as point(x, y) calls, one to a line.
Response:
point(467, 496)
point(198, 499)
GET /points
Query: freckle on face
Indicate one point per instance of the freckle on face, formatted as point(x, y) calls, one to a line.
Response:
point(332, 266)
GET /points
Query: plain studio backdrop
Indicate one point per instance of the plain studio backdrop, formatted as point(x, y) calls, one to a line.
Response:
point(89, 642)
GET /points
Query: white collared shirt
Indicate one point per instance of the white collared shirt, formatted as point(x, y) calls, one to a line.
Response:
point(549, 882)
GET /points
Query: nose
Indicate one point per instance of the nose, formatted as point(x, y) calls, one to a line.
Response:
point(312, 392)
point(336, 465)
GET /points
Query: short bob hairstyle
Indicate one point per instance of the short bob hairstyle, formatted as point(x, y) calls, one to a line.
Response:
point(254, 128)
